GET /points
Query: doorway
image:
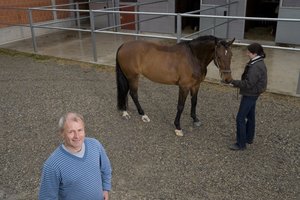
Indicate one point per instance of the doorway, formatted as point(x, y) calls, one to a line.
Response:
point(128, 19)
point(261, 30)
point(183, 6)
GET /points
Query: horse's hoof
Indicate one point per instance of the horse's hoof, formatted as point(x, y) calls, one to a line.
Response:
point(197, 123)
point(126, 115)
point(178, 132)
point(145, 118)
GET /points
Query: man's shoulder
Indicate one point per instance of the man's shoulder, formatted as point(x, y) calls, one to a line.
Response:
point(92, 141)
point(55, 156)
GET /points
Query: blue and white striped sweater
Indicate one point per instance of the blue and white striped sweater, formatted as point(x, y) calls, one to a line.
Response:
point(68, 177)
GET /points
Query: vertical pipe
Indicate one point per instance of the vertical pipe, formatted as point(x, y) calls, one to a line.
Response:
point(93, 35)
point(214, 29)
point(108, 14)
point(114, 15)
point(228, 14)
point(178, 27)
point(117, 15)
point(32, 30)
point(78, 19)
point(138, 18)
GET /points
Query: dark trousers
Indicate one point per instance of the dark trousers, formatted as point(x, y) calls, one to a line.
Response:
point(245, 121)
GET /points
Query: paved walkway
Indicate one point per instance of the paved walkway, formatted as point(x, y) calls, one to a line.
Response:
point(283, 65)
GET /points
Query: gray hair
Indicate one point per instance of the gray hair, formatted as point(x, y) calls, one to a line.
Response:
point(70, 116)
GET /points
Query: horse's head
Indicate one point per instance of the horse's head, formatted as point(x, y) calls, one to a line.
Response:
point(222, 58)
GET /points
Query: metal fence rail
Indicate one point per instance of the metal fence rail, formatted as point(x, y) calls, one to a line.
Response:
point(115, 28)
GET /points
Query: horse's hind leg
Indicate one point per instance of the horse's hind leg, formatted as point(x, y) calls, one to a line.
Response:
point(133, 91)
point(194, 94)
point(122, 91)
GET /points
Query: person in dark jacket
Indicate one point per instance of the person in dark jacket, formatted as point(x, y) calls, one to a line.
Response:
point(251, 85)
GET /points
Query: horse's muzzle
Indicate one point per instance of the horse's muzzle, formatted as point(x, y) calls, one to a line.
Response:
point(226, 76)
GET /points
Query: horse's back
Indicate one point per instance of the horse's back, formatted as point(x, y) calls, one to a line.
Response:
point(137, 48)
point(159, 63)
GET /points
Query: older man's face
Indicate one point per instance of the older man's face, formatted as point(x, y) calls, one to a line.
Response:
point(73, 135)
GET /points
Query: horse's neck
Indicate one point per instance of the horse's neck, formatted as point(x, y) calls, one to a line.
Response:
point(204, 54)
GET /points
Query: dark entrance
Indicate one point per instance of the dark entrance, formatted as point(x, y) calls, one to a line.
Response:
point(128, 19)
point(183, 6)
point(261, 30)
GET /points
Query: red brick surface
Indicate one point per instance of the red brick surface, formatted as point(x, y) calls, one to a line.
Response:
point(16, 11)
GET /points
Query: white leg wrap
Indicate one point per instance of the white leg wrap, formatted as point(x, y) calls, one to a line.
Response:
point(197, 124)
point(126, 115)
point(145, 118)
point(178, 132)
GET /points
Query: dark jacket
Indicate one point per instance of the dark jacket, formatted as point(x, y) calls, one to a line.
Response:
point(254, 79)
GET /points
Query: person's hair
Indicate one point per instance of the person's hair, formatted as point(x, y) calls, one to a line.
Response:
point(256, 48)
point(69, 116)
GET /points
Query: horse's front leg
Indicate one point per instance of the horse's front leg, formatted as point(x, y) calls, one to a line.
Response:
point(194, 94)
point(183, 92)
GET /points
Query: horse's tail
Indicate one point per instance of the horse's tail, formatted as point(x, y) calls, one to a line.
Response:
point(122, 86)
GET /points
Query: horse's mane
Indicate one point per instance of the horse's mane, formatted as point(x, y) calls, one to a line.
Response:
point(201, 39)
point(204, 40)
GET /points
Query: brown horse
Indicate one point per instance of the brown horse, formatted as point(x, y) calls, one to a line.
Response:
point(183, 64)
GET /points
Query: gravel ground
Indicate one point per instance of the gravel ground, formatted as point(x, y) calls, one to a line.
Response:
point(149, 161)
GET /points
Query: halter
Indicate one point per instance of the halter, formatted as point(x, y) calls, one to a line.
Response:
point(217, 63)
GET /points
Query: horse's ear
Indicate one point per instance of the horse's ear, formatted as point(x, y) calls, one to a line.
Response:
point(230, 42)
point(218, 42)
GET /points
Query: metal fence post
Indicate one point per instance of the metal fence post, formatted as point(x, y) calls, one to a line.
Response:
point(178, 27)
point(108, 14)
point(32, 30)
point(227, 20)
point(214, 29)
point(93, 35)
point(78, 19)
point(54, 12)
point(115, 4)
point(137, 21)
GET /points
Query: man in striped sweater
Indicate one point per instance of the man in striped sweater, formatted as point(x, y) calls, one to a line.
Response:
point(78, 169)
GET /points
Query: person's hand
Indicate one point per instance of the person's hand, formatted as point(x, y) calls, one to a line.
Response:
point(105, 195)
point(226, 83)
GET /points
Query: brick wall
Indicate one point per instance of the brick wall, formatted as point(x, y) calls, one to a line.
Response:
point(14, 11)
